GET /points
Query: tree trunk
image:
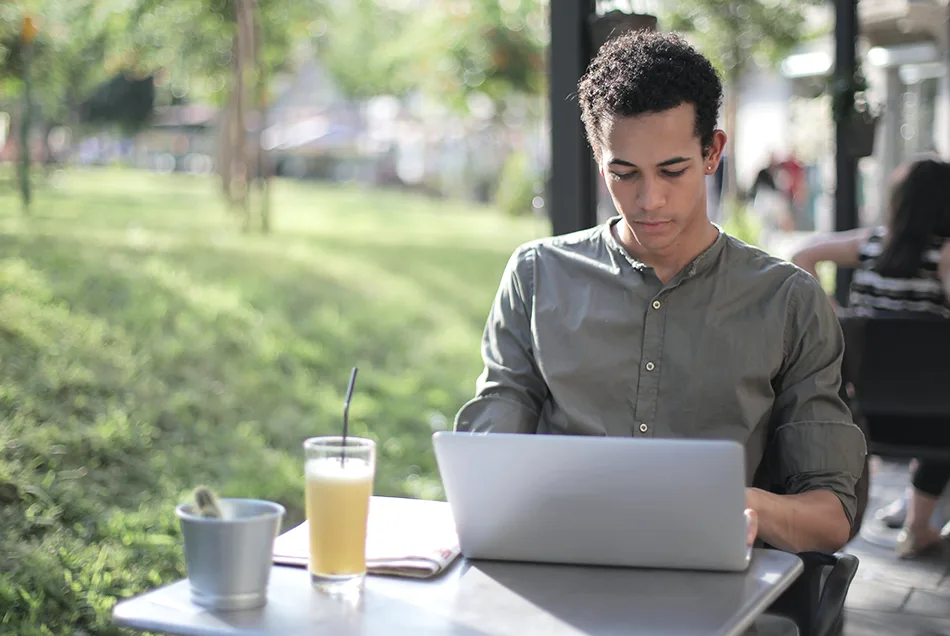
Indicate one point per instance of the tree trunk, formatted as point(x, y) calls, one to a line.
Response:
point(263, 171)
point(238, 167)
point(25, 189)
point(49, 161)
point(244, 43)
point(226, 148)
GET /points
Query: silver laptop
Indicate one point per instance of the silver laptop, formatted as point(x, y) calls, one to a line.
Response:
point(665, 503)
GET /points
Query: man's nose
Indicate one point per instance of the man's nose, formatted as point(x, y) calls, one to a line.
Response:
point(651, 195)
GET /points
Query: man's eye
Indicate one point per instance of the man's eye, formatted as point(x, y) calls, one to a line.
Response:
point(674, 173)
point(618, 176)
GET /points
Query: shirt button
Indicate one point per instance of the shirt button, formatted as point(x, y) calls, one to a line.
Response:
point(644, 428)
point(656, 304)
point(650, 366)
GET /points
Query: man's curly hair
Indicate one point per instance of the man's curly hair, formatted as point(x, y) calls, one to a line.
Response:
point(648, 72)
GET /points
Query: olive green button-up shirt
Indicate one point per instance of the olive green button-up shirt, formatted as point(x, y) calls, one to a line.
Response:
point(582, 339)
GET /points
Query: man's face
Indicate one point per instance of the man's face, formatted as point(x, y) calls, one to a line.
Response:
point(655, 171)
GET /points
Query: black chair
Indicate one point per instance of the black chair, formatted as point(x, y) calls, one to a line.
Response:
point(899, 368)
point(815, 601)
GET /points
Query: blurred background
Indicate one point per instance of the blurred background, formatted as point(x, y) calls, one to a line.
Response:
point(449, 99)
point(211, 210)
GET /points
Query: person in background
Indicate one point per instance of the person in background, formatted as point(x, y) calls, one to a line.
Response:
point(793, 187)
point(764, 178)
point(902, 267)
point(769, 203)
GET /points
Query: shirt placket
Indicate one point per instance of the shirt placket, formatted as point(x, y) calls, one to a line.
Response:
point(648, 387)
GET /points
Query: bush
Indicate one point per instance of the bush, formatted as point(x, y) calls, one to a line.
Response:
point(741, 223)
point(516, 186)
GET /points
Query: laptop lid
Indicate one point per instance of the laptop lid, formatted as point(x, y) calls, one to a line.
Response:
point(666, 503)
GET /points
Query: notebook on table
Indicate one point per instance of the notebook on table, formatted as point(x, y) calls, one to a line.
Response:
point(404, 537)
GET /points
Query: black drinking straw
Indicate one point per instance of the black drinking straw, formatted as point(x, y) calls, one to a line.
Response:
point(346, 413)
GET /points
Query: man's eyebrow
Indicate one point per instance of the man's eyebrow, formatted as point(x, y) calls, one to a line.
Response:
point(669, 162)
point(673, 161)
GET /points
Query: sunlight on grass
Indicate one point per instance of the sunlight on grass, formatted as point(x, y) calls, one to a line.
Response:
point(148, 346)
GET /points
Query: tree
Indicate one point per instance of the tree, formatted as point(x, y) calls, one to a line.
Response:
point(481, 62)
point(52, 64)
point(91, 55)
point(735, 34)
point(444, 48)
point(225, 52)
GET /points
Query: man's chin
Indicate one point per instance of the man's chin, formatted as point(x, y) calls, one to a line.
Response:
point(655, 239)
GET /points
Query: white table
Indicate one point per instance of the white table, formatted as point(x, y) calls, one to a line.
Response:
point(477, 598)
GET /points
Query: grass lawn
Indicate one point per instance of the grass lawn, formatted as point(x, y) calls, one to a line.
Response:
point(147, 346)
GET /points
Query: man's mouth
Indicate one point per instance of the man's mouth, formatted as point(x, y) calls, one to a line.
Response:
point(653, 226)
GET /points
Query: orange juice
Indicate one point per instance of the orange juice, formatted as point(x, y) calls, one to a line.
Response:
point(338, 494)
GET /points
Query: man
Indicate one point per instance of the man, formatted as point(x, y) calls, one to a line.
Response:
point(657, 324)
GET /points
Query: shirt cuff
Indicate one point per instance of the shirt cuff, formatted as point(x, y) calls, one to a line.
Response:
point(841, 484)
point(496, 414)
point(822, 456)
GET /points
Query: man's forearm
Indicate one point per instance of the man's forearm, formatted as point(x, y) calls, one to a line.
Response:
point(811, 521)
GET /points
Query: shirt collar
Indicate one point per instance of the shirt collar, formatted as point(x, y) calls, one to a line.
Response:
point(703, 262)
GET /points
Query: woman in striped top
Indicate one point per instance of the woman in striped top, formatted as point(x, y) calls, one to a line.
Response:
point(923, 292)
point(903, 267)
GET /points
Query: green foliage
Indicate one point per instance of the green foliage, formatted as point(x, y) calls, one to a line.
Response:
point(147, 349)
point(516, 187)
point(447, 49)
point(485, 46)
point(827, 274)
point(741, 223)
point(189, 42)
point(735, 33)
point(76, 48)
point(361, 45)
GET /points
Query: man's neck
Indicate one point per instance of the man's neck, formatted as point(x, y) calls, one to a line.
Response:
point(670, 261)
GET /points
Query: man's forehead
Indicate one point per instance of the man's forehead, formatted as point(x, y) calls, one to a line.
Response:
point(652, 136)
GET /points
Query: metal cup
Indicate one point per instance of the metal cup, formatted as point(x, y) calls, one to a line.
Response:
point(229, 560)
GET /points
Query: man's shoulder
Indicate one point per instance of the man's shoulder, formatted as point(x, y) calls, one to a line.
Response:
point(775, 281)
point(753, 262)
point(588, 241)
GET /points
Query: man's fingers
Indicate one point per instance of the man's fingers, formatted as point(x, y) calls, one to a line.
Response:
point(751, 525)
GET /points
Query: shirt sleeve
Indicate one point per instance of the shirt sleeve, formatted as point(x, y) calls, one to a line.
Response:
point(510, 391)
point(817, 444)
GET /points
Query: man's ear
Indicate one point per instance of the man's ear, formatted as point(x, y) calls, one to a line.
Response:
point(713, 154)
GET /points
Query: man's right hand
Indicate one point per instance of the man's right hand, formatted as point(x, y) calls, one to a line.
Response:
point(751, 526)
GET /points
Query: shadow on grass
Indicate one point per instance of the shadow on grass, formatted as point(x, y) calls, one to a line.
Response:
point(227, 339)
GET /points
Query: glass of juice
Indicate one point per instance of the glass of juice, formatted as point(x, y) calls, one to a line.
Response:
point(339, 485)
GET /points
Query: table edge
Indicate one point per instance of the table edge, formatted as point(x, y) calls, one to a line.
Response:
point(762, 604)
point(121, 619)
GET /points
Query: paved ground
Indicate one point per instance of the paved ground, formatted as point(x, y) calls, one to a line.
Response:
point(890, 596)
